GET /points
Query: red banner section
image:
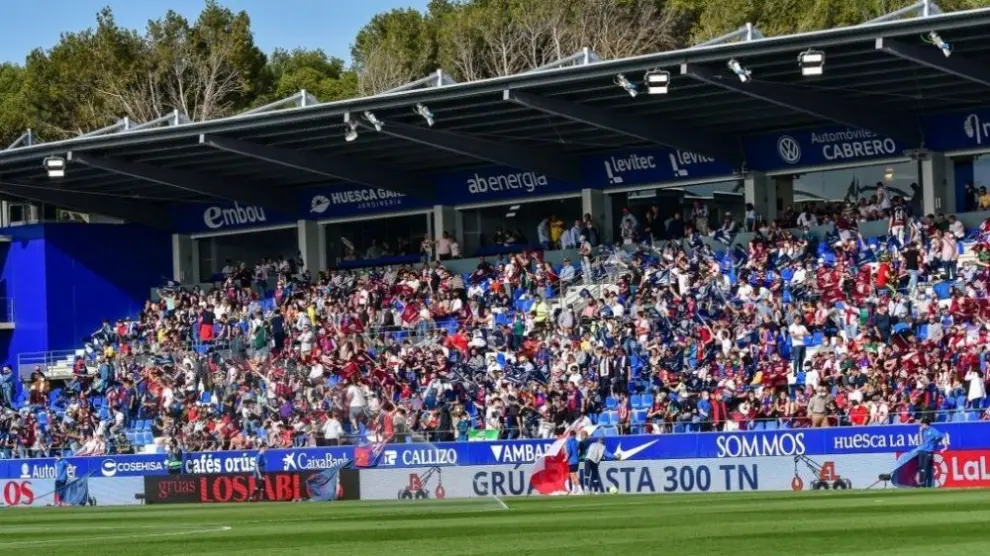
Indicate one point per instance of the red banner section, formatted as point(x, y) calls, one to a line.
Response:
point(277, 487)
point(962, 469)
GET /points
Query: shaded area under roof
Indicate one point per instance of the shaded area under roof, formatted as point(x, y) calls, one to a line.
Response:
point(860, 75)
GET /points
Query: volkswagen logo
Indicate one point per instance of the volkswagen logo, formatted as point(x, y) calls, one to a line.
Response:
point(789, 149)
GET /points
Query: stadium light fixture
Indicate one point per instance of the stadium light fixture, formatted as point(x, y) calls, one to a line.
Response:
point(945, 47)
point(371, 119)
point(657, 82)
point(812, 62)
point(627, 85)
point(423, 111)
point(55, 165)
point(352, 133)
point(737, 68)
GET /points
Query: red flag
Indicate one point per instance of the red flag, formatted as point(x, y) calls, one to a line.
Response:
point(550, 472)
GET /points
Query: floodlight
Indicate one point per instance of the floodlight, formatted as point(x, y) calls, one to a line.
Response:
point(423, 111)
point(370, 117)
point(352, 133)
point(55, 166)
point(657, 82)
point(812, 62)
point(737, 68)
point(945, 47)
point(629, 86)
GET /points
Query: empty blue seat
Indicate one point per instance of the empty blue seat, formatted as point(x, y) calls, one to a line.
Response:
point(943, 290)
point(611, 403)
point(604, 418)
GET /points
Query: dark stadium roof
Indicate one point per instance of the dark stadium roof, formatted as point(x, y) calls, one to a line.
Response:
point(542, 124)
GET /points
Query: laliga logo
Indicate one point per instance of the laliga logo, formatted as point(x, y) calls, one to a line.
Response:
point(789, 149)
point(319, 204)
point(216, 217)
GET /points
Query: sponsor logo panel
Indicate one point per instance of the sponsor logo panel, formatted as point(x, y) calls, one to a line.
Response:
point(233, 488)
point(638, 477)
point(119, 491)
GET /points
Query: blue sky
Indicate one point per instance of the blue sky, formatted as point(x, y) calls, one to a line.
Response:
point(327, 24)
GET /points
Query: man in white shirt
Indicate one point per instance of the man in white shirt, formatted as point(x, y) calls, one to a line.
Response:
point(806, 219)
point(356, 404)
point(799, 334)
point(333, 430)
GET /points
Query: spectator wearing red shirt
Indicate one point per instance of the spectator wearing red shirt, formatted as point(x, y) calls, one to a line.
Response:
point(859, 415)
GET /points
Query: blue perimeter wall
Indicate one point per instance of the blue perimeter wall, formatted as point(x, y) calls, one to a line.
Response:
point(65, 279)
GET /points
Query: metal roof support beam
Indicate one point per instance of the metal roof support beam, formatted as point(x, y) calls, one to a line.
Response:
point(122, 124)
point(524, 158)
point(372, 174)
point(898, 126)
point(301, 99)
point(26, 139)
point(128, 210)
point(438, 78)
point(582, 57)
point(922, 8)
point(682, 137)
point(745, 33)
point(172, 118)
point(213, 187)
point(933, 58)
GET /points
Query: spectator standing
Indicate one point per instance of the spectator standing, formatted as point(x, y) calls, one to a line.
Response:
point(799, 336)
point(443, 247)
point(818, 408)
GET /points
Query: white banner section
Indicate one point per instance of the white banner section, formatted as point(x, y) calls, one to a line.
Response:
point(638, 477)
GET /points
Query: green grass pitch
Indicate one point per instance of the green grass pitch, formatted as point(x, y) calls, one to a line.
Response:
point(765, 524)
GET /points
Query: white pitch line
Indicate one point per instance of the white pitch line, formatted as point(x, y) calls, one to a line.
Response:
point(118, 537)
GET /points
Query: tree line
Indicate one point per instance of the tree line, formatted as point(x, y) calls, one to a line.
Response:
point(211, 67)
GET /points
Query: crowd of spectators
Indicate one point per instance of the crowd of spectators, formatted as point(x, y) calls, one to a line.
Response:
point(641, 337)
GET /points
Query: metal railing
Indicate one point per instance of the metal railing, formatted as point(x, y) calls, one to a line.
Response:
point(54, 364)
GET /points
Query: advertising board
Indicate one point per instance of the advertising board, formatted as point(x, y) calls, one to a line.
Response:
point(638, 477)
point(324, 485)
point(786, 443)
point(41, 492)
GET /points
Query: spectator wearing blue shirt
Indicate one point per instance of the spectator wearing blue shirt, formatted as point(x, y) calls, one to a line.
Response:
point(61, 479)
point(930, 441)
point(259, 474)
point(573, 462)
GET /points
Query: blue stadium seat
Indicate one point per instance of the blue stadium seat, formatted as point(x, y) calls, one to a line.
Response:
point(604, 418)
point(611, 403)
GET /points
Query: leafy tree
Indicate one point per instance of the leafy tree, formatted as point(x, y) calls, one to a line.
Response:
point(13, 120)
point(394, 48)
point(324, 77)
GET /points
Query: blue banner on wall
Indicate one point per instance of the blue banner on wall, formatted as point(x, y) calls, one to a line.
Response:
point(780, 443)
point(649, 166)
point(356, 200)
point(816, 147)
point(495, 184)
point(224, 216)
point(957, 130)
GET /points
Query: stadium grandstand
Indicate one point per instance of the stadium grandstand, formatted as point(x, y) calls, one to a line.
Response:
point(750, 234)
